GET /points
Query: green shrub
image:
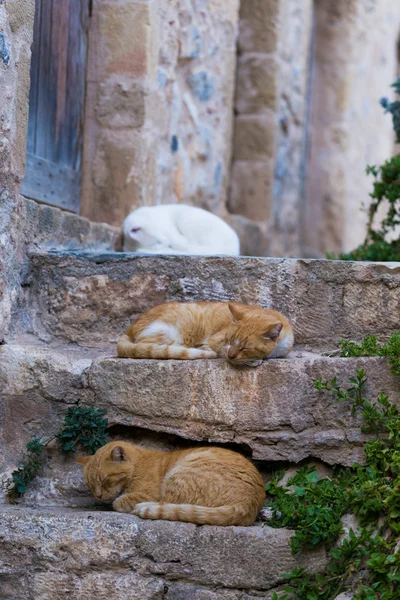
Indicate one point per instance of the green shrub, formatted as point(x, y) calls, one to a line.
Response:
point(365, 562)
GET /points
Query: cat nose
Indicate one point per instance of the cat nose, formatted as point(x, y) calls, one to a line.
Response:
point(233, 352)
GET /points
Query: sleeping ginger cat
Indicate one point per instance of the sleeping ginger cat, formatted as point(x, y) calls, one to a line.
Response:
point(201, 485)
point(244, 335)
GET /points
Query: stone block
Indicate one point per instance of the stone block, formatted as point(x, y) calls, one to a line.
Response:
point(95, 299)
point(259, 25)
point(123, 585)
point(121, 103)
point(181, 591)
point(251, 189)
point(254, 137)
point(253, 235)
point(257, 83)
point(274, 411)
point(72, 553)
point(117, 175)
point(126, 284)
point(16, 26)
point(124, 29)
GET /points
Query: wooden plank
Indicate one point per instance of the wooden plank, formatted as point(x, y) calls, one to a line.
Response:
point(60, 59)
point(76, 80)
point(46, 98)
point(51, 183)
point(34, 89)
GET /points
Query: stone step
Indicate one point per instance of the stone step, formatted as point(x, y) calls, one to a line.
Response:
point(274, 410)
point(90, 298)
point(61, 554)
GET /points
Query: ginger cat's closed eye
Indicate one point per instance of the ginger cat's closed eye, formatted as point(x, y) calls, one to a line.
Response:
point(242, 334)
point(202, 485)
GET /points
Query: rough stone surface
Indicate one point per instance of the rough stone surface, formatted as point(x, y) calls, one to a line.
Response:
point(274, 412)
point(26, 224)
point(91, 298)
point(73, 554)
point(293, 49)
point(253, 235)
point(257, 79)
point(16, 25)
point(251, 194)
point(348, 128)
point(271, 108)
point(259, 25)
point(254, 137)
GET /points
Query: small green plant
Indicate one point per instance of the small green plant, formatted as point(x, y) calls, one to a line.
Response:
point(82, 426)
point(386, 188)
point(371, 347)
point(366, 561)
point(314, 509)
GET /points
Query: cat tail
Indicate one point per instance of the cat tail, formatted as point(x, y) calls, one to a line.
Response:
point(129, 349)
point(237, 514)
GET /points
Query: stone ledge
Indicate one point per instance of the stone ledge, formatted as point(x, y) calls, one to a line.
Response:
point(274, 410)
point(60, 554)
point(90, 298)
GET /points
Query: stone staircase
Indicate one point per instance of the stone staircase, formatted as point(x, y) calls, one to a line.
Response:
point(73, 306)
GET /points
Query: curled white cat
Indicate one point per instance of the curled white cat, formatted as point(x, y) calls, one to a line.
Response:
point(178, 229)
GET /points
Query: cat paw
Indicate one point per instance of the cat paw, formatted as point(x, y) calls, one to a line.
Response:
point(209, 354)
point(123, 504)
point(254, 363)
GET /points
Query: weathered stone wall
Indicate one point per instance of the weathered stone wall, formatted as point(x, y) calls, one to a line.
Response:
point(24, 222)
point(16, 24)
point(159, 107)
point(307, 115)
point(270, 108)
point(355, 61)
point(63, 554)
point(309, 79)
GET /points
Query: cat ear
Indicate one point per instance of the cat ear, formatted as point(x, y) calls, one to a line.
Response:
point(118, 454)
point(273, 332)
point(237, 311)
point(83, 460)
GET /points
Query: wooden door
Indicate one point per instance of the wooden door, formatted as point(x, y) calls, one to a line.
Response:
point(56, 103)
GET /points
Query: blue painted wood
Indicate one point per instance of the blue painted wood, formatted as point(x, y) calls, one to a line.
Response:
point(56, 103)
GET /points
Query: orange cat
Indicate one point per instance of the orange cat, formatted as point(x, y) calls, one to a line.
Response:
point(202, 485)
point(244, 335)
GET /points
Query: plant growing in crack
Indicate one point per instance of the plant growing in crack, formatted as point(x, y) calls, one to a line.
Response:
point(82, 426)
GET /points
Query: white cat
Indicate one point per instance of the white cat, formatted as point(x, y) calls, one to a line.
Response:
point(178, 229)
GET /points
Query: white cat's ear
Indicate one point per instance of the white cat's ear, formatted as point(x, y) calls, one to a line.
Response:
point(118, 454)
point(237, 311)
point(83, 460)
point(273, 332)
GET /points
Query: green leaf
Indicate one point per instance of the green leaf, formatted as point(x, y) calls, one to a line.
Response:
point(312, 477)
